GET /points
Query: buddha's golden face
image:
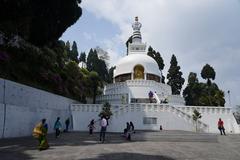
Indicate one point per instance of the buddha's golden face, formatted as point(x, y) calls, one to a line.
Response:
point(138, 72)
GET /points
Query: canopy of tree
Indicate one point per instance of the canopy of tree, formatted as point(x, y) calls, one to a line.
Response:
point(208, 73)
point(202, 94)
point(30, 52)
point(40, 22)
point(94, 63)
point(51, 69)
point(82, 57)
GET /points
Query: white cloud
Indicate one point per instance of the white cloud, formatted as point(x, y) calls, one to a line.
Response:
point(197, 32)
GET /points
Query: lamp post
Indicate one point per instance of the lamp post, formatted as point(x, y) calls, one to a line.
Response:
point(229, 99)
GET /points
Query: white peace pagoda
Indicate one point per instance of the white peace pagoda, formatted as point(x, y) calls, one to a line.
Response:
point(134, 77)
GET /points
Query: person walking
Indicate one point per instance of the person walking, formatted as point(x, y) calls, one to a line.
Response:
point(40, 133)
point(132, 127)
point(57, 127)
point(127, 131)
point(91, 126)
point(103, 124)
point(221, 127)
point(67, 122)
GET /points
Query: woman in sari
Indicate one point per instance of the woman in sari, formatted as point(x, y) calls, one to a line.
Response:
point(40, 132)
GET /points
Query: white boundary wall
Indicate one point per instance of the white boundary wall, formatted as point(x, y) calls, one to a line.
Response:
point(211, 115)
point(170, 117)
point(21, 107)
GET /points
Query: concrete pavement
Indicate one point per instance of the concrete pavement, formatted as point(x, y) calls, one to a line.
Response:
point(166, 145)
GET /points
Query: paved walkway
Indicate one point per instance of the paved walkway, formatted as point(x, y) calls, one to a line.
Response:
point(166, 145)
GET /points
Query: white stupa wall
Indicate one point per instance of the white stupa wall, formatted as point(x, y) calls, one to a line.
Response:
point(138, 89)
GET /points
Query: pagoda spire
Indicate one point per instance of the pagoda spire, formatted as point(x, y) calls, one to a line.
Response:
point(136, 31)
point(136, 46)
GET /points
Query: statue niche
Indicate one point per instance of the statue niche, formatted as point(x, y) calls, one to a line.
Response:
point(138, 72)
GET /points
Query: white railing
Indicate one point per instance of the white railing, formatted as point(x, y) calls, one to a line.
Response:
point(86, 107)
point(206, 110)
point(117, 98)
point(119, 86)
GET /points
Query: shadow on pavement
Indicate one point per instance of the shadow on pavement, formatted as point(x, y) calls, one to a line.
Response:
point(129, 156)
point(15, 148)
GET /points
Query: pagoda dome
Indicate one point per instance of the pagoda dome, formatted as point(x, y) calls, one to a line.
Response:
point(137, 65)
point(127, 64)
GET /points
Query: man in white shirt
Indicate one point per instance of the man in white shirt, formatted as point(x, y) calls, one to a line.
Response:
point(103, 124)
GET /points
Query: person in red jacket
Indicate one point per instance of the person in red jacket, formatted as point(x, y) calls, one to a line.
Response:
point(221, 127)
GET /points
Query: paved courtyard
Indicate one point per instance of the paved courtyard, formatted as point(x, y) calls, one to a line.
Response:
point(166, 145)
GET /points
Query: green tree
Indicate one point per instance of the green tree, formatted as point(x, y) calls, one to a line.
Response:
point(106, 110)
point(102, 70)
point(68, 47)
point(157, 57)
point(174, 76)
point(94, 83)
point(74, 53)
point(82, 57)
point(92, 60)
point(202, 94)
point(97, 65)
point(211, 95)
point(192, 91)
point(219, 98)
point(196, 116)
point(74, 80)
point(208, 73)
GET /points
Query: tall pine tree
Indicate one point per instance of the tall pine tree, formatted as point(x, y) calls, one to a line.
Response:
point(174, 76)
point(82, 57)
point(158, 58)
point(74, 53)
point(97, 65)
point(92, 60)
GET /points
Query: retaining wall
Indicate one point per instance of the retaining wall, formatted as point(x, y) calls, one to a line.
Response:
point(21, 107)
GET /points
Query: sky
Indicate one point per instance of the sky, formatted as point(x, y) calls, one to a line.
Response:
point(196, 32)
